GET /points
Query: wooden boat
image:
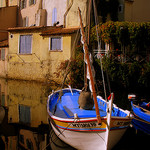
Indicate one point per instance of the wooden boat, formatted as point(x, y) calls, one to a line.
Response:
point(86, 127)
point(79, 128)
point(142, 116)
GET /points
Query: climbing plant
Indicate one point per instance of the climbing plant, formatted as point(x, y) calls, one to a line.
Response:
point(75, 69)
point(135, 36)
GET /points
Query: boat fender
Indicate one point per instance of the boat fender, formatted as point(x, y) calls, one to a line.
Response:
point(85, 100)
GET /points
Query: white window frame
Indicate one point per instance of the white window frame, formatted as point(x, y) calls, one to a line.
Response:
point(50, 44)
point(19, 52)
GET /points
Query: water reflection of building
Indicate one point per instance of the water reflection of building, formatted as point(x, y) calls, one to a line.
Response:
point(3, 92)
point(26, 102)
point(27, 138)
point(31, 139)
point(26, 116)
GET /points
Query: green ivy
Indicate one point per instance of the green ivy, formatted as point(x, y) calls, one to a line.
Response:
point(131, 34)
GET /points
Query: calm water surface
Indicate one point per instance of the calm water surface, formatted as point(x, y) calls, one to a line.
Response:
point(25, 125)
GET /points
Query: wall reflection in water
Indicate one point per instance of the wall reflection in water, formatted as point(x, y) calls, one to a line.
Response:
point(24, 124)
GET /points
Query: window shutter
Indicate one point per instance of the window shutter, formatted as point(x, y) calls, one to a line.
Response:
point(55, 43)
point(28, 44)
point(24, 114)
point(25, 44)
point(22, 44)
point(59, 44)
point(3, 54)
point(54, 16)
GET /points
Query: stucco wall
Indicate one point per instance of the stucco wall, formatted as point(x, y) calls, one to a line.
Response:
point(30, 12)
point(73, 15)
point(42, 63)
point(60, 5)
point(137, 11)
point(26, 94)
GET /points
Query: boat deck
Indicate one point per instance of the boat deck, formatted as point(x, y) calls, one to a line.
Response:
point(69, 106)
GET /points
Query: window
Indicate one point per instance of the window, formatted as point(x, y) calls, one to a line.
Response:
point(31, 2)
point(120, 9)
point(2, 54)
point(24, 114)
point(55, 43)
point(25, 44)
point(23, 4)
point(54, 16)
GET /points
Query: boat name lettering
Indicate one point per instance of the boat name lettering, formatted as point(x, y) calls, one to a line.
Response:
point(121, 123)
point(83, 125)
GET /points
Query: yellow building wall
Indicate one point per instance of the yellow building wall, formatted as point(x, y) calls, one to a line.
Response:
point(3, 92)
point(30, 94)
point(137, 11)
point(72, 18)
point(42, 63)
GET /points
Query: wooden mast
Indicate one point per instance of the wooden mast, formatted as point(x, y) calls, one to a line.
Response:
point(90, 70)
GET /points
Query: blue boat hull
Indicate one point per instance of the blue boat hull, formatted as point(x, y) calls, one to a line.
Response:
point(141, 119)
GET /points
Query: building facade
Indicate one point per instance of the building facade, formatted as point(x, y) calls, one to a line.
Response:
point(35, 54)
point(137, 10)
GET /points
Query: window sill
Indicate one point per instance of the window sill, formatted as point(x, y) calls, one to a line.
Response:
point(24, 54)
point(55, 50)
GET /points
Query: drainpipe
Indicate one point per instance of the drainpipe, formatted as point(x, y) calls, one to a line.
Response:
point(67, 12)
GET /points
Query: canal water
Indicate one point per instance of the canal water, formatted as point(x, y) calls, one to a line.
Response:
point(25, 125)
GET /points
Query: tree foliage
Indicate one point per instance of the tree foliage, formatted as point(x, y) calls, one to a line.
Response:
point(131, 34)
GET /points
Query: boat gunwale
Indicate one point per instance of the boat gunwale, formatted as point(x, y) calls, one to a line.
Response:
point(141, 109)
point(139, 112)
point(86, 120)
point(128, 117)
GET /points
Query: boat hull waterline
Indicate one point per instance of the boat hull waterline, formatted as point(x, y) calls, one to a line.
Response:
point(83, 132)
